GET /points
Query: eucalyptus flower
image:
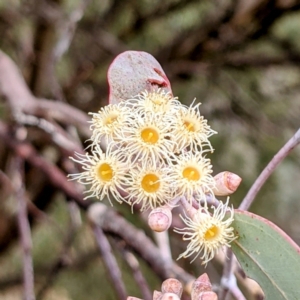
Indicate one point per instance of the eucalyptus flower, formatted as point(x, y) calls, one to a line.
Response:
point(192, 130)
point(156, 101)
point(207, 233)
point(192, 172)
point(149, 185)
point(102, 172)
point(108, 122)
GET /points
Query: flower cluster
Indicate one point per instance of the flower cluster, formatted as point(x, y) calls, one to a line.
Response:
point(150, 150)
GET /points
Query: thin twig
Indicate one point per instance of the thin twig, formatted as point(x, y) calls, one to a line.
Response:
point(138, 276)
point(58, 135)
point(268, 170)
point(25, 232)
point(228, 282)
point(110, 262)
point(163, 243)
point(53, 173)
point(227, 273)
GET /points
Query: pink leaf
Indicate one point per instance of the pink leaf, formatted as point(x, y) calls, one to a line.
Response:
point(132, 72)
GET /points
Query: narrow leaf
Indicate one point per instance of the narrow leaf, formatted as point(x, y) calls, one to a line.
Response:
point(267, 255)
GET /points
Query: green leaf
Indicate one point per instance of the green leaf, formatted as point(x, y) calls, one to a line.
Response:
point(267, 255)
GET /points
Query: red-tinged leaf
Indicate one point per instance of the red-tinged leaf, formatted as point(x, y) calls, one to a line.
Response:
point(133, 72)
point(267, 255)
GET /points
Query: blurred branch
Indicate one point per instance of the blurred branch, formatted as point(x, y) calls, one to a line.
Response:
point(40, 270)
point(58, 135)
point(33, 210)
point(15, 90)
point(141, 20)
point(53, 35)
point(110, 262)
point(113, 223)
point(224, 30)
point(138, 276)
point(109, 42)
point(53, 173)
point(24, 230)
point(269, 169)
point(190, 42)
point(227, 274)
point(232, 60)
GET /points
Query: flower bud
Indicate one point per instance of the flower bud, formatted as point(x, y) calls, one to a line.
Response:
point(172, 285)
point(160, 219)
point(200, 286)
point(169, 296)
point(226, 183)
point(133, 298)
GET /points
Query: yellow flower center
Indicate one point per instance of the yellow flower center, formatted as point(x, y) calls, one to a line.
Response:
point(150, 183)
point(105, 172)
point(191, 173)
point(149, 135)
point(111, 119)
point(211, 233)
point(157, 100)
point(189, 126)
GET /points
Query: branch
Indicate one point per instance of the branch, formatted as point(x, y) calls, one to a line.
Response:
point(134, 265)
point(268, 170)
point(111, 222)
point(15, 90)
point(53, 173)
point(110, 261)
point(24, 231)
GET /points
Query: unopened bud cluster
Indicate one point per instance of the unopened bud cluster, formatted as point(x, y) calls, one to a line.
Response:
point(172, 289)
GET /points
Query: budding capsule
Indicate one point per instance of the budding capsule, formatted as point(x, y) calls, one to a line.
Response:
point(200, 287)
point(172, 285)
point(226, 183)
point(160, 219)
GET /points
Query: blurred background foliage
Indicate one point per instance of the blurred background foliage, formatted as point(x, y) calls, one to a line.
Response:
point(240, 59)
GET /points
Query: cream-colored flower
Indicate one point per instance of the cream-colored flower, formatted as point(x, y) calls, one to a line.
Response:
point(192, 173)
point(108, 122)
point(157, 101)
point(207, 233)
point(149, 185)
point(148, 138)
point(191, 129)
point(103, 173)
